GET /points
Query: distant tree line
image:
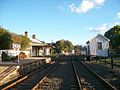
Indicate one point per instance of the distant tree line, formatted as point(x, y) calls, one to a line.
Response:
point(62, 46)
point(79, 48)
point(7, 39)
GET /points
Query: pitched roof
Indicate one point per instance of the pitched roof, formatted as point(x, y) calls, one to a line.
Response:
point(103, 37)
point(100, 36)
point(36, 42)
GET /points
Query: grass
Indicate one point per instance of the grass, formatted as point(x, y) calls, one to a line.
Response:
point(115, 61)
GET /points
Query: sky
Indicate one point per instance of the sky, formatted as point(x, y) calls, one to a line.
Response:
point(51, 20)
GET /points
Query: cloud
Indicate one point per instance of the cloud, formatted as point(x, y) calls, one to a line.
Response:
point(116, 23)
point(103, 28)
point(85, 6)
point(99, 2)
point(118, 15)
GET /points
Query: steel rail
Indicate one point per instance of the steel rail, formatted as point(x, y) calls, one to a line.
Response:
point(22, 79)
point(53, 69)
point(77, 76)
point(97, 76)
point(7, 72)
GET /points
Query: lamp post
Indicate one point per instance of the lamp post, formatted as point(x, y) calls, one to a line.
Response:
point(18, 57)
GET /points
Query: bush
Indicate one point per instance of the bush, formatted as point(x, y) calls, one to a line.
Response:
point(14, 58)
point(5, 57)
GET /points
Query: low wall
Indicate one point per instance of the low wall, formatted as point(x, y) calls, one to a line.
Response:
point(32, 63)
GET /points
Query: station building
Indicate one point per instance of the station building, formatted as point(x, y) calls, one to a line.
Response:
point(98, 46)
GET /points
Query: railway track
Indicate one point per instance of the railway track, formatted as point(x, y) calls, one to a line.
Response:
point(63, 77)
point(68, 74)
point(28, 81)
point(7, 72)
point(90, 80)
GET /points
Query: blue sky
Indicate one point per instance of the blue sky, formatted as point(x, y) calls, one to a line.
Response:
point(52, 20)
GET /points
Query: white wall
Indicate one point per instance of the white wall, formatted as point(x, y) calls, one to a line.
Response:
point(93, 46)
point(33, 51)
point(47, 51)
point(10, 52)
point(13, 52)
point(41, 52)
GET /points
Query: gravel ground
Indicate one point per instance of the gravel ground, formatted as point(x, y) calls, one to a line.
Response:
point(61, 79)
point(110, 75)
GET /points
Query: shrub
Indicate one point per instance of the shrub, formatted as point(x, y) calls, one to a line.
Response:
point(14, 58)
point(5, 57)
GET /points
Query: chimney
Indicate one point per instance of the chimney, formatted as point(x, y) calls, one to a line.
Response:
point(33, 36)
point(26, 33)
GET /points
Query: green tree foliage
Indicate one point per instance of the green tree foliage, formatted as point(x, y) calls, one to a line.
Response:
point(63, 45)
point(77, 48)
point(22, 40)
point(69, 46)
point(5, 57)
point(15, 38)
point(5, 39)
point(114, 35)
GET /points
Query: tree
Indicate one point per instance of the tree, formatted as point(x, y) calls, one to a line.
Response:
point(59, 46)
point(63, 45)
point(77, 48)
point(22, 40)
point(69, 46)
point(114, 35)
point(5, 39)
point(15, 38)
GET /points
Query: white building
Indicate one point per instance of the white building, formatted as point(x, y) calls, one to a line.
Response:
point(38, 48)
point(98, 46)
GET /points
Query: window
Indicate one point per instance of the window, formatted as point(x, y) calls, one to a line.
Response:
point(99, 45)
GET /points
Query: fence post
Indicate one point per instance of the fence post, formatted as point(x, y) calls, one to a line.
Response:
point(105, 60)
point(99, 58)
point(111, 62)
point(96, 59)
